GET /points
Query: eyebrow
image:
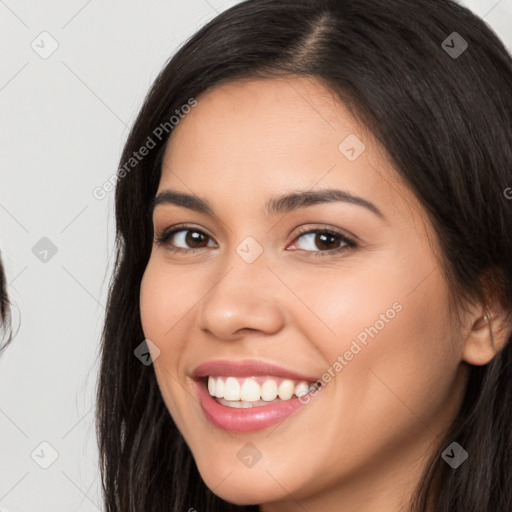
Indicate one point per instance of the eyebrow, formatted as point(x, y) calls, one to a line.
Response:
point(280, 204)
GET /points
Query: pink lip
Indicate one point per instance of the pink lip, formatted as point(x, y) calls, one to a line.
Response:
point(246, 369)
point(251, 418)
point(244, 420)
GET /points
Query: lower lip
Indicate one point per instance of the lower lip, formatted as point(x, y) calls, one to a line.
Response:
point(247, 419)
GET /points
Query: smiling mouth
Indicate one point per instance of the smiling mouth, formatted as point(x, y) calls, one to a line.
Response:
point(254, 391)
point(242, 408)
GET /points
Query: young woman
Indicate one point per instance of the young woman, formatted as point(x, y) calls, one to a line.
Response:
point(314, 233)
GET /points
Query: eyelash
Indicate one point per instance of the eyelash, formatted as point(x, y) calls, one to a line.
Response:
point(163, 237)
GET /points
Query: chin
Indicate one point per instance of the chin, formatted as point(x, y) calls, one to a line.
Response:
point(243, 487)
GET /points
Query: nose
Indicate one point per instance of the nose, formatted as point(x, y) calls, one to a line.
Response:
point(242, 297)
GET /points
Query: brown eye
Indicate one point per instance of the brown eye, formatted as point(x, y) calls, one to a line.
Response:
point(320, 241)
point(184, 239)
point(195, 238)
point(326, 241)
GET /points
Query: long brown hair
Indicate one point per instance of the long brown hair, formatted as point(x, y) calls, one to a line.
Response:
point(445, 121)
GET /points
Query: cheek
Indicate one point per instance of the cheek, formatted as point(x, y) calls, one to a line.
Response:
point(392, 329)
point(405, 369)
point(161, 310)
point(165, 297)
point(163, 314)
point(153, 302)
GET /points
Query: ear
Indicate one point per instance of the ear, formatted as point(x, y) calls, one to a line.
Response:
point(488, 334)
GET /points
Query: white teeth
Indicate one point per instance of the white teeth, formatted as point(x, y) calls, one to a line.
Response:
point(219, 387)
point(269, 390)
point(232, 389)
point(301, 389)
point(212, 386)
point(237, 405)
point(250, 392)
point(243, 404)
point(286, 389)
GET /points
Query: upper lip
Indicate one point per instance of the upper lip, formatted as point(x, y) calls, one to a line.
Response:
point(247, 368)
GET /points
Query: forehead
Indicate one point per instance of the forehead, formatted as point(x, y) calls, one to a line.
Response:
point(256, 138)
point(255, 118)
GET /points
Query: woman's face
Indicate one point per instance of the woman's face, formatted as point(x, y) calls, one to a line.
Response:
point(367, 318)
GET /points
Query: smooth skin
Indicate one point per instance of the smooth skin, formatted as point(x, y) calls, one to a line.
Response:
point(362, 442)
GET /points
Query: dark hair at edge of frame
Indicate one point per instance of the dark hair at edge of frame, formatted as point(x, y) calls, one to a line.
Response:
point(446, 125)
point(5, 312)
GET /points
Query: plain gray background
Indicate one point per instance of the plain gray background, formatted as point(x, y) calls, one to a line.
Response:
point(65, 118)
